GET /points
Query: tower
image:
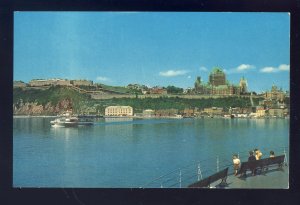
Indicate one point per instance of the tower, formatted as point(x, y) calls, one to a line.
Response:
point(243, 85)
point(217, 77)
point(197, 82)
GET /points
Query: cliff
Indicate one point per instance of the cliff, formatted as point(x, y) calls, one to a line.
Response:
point(33, 108)
point(50, 101)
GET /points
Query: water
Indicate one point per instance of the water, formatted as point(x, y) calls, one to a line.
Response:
point(132, 152)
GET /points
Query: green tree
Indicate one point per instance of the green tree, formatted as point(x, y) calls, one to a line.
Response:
point(174, 90)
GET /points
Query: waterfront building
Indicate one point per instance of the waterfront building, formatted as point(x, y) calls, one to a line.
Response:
point(238, 110)
point(278, 112)
point(166, 112)
point(148, 113)
point(119, 111)
point(260, 112)
point(197, 111)
point(188, 112)
point(213, 111)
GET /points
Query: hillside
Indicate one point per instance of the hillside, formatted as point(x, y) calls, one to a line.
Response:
point(49, 101)
point(59, 99)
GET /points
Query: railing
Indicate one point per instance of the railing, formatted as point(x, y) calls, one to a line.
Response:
point(182, 177)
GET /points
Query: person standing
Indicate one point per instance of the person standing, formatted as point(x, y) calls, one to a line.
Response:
point(252, 158)
point(236, 163)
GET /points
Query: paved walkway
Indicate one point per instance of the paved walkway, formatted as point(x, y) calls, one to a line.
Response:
point(272, 179)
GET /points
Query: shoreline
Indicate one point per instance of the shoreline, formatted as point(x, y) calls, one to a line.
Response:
point(150, 117)
point(34, 116)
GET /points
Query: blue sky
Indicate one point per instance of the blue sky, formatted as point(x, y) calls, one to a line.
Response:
point(153, 48)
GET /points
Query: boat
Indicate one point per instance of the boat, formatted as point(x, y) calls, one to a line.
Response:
point(176, 116)
point(71, 121)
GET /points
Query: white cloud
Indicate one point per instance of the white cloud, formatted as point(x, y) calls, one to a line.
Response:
point(269, 69)
point(244, 67)
point(202, 68)
point(172, 73)
point(103, 79)
point(284, 67)
point(189, 77)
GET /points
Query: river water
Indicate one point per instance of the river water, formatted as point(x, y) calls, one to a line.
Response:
point(118, 152)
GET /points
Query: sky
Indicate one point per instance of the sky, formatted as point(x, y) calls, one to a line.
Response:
point(153, 48)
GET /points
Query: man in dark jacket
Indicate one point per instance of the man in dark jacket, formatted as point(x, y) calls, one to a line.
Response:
point(252, 158)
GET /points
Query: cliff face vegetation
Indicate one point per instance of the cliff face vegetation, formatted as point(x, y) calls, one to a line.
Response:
point(33, 108)
point(46, 102)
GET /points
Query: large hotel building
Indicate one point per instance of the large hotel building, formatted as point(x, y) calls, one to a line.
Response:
point(218, 85)
point(118, 111)
point(217, 77)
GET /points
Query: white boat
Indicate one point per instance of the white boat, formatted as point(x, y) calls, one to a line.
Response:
point(176, 116)
point(70, 122)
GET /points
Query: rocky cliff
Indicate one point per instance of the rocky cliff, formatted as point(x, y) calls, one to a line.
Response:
point(33, 108)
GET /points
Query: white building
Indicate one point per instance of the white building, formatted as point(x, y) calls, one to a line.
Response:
point(148, 113)
point(118, 111)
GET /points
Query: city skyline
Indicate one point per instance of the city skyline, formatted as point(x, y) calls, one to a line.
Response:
point(153, 48)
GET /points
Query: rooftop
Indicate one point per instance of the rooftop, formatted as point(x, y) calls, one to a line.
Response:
point(217, 70)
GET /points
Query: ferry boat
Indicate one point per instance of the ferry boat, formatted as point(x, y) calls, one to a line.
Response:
point(67, 120)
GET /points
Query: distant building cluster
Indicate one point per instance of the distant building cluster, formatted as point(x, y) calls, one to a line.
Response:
point(157, 90)
point(53, 82)
point(146, 90)
point(275, 94)
point(275, 103)
point(218, 85)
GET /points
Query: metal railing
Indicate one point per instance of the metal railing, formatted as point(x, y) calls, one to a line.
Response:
point(196, 171)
